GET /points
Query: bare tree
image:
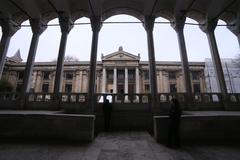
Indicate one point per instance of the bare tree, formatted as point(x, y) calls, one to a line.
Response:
point(68, 59)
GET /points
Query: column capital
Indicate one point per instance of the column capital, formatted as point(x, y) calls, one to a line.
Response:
point(178, 23)
point(234, 27)
point(209, 25)
point(65, 22)
point(96, 23)
point(37, 26)
point(149, 23)
point(9, 27)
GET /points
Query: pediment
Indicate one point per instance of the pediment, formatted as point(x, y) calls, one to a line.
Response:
point(120, 55)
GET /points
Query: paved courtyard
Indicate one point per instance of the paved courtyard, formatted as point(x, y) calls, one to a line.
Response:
point(116, 146)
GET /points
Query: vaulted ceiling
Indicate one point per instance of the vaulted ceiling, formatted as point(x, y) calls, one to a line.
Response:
point(199, 10)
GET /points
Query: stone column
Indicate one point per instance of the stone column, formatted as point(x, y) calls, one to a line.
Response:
point(126, 84)
point(104, 80)
point(115, 80)
point(96, 26)
point(77, 80)
point(148, 25)
point(81, 82)
point(209, 28)
point(37, 28)
point(137, 80)
point(178, 26)
point(66, 25)
point(9, 28)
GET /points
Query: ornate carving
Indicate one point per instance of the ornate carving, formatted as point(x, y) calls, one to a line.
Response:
point(9, 27)
point(37, 26)
point(209, 25)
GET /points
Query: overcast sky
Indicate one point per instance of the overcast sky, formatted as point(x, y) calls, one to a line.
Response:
point(132, 37)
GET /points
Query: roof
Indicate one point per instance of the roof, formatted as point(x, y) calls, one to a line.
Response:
point(16, 57)
point(120, 55)
point(21, 10)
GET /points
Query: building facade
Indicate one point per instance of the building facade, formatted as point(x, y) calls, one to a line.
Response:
point(118, 72)
point(231, 74)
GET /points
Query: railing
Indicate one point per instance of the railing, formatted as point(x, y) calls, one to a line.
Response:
point(9, 96)
point(200, 100)
point(123, 98)
point(62, 97)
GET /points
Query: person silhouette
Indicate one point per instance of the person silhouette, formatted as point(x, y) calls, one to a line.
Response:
point(107, 111)
point(175, 113)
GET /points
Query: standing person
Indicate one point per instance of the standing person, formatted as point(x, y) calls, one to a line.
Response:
point(175, 113)
point(107, 110)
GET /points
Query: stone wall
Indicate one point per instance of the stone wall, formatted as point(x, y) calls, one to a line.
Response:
point(197, 128)
point(36, 125)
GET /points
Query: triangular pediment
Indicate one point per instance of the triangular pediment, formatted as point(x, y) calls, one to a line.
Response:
point(120, 55)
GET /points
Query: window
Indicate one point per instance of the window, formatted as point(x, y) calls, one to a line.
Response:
point(195, 75)
point(147, 88)
point(146, 75)
point(120, 75)
point(45, 87)
point(68, 88)
point(173, 88)
point(196, 88)
point(131, 75)
point(69, 75)
point(110, 75)
point(20, 75)
point(46, 75)
point(172, 75)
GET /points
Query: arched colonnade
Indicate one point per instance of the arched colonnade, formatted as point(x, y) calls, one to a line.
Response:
point(10, 25)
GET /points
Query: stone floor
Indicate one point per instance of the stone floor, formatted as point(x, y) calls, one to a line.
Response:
point(116, 146)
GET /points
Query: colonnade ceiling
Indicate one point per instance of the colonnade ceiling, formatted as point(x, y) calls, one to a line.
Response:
point(199, 10)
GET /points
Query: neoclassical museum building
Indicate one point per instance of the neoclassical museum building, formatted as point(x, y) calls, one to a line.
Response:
point(117, 72)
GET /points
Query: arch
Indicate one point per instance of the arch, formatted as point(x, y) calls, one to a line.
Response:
point(79, 14)
point(196, 15)
point(18, 44)
point(228, 17)
point(52, 36)
point(129, 34)
point(193, 37)
point(127, 11)
point(79, 40)
point(165, 14)
point(165, 41)
point(19, 17)
point(225, 37)
point(49, 16)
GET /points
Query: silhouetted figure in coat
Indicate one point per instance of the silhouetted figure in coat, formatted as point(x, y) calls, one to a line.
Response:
point(175, 113)
point(107, 110)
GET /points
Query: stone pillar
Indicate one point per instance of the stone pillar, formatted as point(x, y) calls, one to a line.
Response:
point(96, 26)
point(115, 80)
point(178, 26)
point(9, 28)
point(37, 28)
point(148, 25)
point(104, 80)
point(137, 80)
point(126, 84)
point(66, 25)
point(77, 80)
point(209, 28)
point(80, 82)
